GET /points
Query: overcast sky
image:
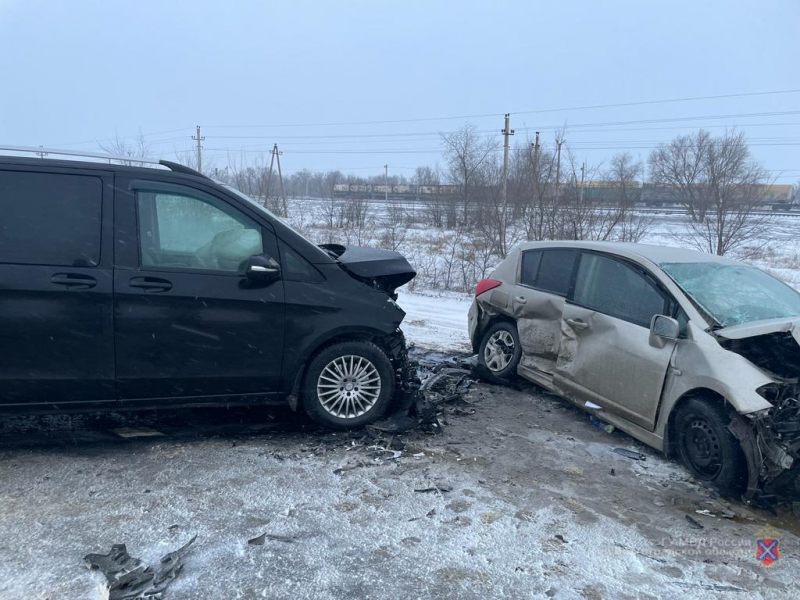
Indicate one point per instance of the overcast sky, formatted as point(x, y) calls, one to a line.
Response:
point(76, 73)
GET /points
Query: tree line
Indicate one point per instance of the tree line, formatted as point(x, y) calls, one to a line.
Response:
point(548, 192)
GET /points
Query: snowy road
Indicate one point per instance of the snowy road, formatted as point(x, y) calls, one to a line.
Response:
point(523, 499)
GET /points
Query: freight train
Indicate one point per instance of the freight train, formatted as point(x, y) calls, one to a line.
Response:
point(776, 197)
point(369, 190)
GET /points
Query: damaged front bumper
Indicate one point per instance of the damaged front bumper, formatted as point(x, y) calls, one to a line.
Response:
point(770, 440)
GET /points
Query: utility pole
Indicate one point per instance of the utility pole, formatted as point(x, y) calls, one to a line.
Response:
point(536, 165)
point(273, 153)
point(199, 139)
point(506, 131)
point(583, 174)
point(386, 184)
point(558, 167)
point(277, 154)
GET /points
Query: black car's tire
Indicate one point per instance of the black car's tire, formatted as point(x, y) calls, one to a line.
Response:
point(706, 445)
point(348, 385)
point(499, 352)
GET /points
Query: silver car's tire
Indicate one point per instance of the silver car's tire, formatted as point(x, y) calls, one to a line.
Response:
point(707, 447)
point(499, 351)
point(348, 385)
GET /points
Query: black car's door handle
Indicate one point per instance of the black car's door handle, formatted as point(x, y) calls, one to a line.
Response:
point(74, 281)
point(151, 284)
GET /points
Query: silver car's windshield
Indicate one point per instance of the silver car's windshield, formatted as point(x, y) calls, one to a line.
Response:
point(734, 294)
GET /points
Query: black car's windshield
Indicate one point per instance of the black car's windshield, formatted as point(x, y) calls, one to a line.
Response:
point(734, 294)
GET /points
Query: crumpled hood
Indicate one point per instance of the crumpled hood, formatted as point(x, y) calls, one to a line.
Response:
point(747, 330)
point(772, 344)
point(389, 270)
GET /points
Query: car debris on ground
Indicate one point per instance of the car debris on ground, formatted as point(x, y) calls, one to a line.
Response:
point(632, 454)
point(131, 579)
point(426, 386)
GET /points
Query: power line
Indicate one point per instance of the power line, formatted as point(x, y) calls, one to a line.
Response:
point(437, 133)
point(519, 112)
point(436, 150)
point(602, 124)
point(123, 137)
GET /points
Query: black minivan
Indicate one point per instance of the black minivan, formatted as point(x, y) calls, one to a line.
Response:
point(138, 287)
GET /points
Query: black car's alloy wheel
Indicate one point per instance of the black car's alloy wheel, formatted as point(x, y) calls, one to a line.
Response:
point(348, 385)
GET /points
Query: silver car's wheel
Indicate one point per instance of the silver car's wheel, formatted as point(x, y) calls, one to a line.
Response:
point(499, 351)
point(348, 386)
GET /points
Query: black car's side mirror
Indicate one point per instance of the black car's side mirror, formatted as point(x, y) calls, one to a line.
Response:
point(262, 268)
point(662, 329)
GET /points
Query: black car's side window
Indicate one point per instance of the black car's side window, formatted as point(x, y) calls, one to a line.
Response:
point(195, 232)
point(549, 270)
point(611, 287)
point(50, 219)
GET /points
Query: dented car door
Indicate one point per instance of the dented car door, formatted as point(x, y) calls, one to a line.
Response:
point(606, 355)
point(537, 304)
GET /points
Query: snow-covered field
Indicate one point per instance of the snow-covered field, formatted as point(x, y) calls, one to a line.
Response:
point(449, 260)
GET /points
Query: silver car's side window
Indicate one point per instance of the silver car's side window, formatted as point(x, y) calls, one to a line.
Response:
point(548, 270)
point(530, 267)
point(611, 287)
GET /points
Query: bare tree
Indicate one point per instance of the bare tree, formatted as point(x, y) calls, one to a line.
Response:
point(426, 180)
point(137, 147)
point(681, 168)
point(331, 207)
point(188, 157)
point(737, 186)
point(721, 186)
point(624, 191)
point(465, 152)
point(533, 182)
point(395, 225)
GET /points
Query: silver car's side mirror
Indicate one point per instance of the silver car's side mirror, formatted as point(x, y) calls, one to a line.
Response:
point(663, 328)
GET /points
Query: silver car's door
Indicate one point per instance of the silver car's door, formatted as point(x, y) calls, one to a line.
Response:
point(605, 354)
point(537, 302)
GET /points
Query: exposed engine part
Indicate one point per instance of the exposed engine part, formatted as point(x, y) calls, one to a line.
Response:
point(772, 444)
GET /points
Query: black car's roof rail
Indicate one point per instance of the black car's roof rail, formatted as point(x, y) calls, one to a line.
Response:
point(179, 168)
point(125, 160)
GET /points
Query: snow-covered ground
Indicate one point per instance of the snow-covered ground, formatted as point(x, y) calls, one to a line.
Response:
point(436, 320)
point(522, 499)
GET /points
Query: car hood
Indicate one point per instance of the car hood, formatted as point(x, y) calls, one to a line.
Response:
point(773, 344)
point(747, 330)
point(388, 270)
